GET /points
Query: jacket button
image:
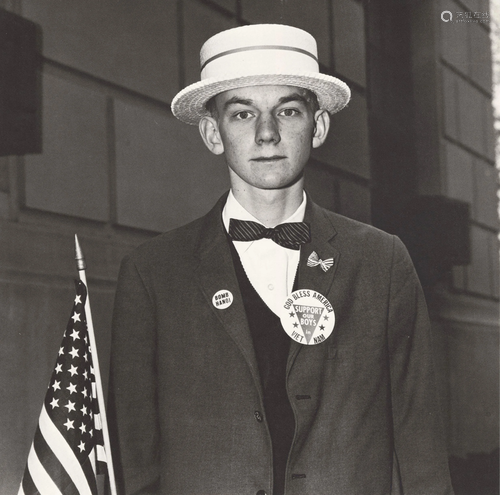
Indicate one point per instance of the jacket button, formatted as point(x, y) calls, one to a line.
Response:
point(259, 418)
point(261, 492)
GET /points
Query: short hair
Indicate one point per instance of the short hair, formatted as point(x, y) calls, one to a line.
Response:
point(310, 96)
point(211, 107)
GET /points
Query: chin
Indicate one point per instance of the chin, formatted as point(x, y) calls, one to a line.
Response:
point(275, 186)
point(280, 182)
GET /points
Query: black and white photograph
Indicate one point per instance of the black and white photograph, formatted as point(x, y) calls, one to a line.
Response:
point(249, 247)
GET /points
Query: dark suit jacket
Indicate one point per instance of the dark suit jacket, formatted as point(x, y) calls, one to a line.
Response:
point(186, 401)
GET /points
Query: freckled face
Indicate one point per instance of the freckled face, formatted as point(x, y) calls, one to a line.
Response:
point(266, 132)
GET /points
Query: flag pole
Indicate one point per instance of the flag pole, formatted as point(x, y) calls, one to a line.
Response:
point(81, 265)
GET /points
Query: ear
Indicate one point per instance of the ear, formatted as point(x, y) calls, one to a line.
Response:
point(322, 125)
point(209, 130)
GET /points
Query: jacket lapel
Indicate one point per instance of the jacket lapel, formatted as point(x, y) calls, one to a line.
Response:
point(322, 232)
point(315, 278)
point(215, 272)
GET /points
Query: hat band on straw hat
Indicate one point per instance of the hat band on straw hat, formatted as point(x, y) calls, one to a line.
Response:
point(259, 61)
point(260, 47)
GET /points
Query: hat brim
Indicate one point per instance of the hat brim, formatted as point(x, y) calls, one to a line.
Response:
point(189, 104)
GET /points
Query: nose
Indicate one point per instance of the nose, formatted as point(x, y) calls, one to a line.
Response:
point(267, 130)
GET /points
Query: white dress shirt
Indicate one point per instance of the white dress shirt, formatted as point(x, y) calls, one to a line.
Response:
point(270, 267)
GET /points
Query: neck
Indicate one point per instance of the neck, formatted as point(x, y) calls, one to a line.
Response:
point(270, 206)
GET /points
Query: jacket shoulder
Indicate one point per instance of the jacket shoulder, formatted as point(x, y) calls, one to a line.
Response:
point(364, 241)
point(180, 244)
point(353, 229)
point(175, 244)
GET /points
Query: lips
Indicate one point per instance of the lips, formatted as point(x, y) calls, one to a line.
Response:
point(273, 158)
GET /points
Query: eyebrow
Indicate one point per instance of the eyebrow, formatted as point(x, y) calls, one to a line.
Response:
point(236, 100)
point(293, 97)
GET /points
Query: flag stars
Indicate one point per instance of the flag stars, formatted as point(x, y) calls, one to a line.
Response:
point(69, 425)
point(71, 377)
point(71, 388)
point(71, 406)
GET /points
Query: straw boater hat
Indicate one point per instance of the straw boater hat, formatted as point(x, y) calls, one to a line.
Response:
point(258, 55)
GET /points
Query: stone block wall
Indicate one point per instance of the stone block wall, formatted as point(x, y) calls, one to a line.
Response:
point(469, 174)
point(456, 159)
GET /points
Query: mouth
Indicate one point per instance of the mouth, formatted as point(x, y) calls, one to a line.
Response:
point(274, 158)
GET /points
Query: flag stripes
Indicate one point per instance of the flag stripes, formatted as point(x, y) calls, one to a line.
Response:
point(50, 465)
point(68, 449)
point(41, 478)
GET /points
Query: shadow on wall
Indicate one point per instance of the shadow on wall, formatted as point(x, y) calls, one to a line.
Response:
point(20, 86)
point(477, 474)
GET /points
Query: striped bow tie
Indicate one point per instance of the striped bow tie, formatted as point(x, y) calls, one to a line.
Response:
point(314, 260)
point(289, 235)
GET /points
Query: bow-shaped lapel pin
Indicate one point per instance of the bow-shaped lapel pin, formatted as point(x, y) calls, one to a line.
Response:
point(314, 260)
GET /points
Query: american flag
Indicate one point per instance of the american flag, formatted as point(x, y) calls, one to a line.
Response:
point(68, 449)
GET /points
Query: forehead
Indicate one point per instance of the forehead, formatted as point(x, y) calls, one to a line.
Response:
point(257, 95)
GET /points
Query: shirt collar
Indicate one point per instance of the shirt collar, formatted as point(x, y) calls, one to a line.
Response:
point(233, 209)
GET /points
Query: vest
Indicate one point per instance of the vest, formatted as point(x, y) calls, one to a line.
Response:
point(271, 345)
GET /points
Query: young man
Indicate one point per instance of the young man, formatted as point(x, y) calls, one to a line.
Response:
point(272, 347)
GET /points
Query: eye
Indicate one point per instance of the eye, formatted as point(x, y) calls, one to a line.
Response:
point(243, 115)
point(288, 112)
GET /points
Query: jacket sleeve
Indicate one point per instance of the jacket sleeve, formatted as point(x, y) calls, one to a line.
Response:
point(418, 431)
point(133, 412)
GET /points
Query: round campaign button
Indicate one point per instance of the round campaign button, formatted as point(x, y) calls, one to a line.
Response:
point(222, 299)
point(307, 317)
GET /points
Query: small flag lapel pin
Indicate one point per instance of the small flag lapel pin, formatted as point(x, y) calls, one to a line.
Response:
point(315, 260)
